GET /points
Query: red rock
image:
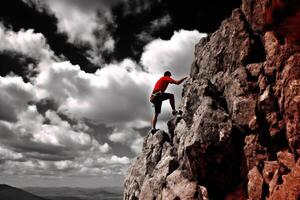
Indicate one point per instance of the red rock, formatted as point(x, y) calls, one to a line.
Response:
point(177, 186)
point(274, 131)
point(269, 170)
point(266, 101)
point(253, 125)
point(238, 194)
point(254, 11)
point(254, 69)
point(262, 83)
point(291, 103)
point(147, 192)
point(253, 151)
point(274, 182)
point(243, 110)
point(284, 24)
point(290, 188)
point(255, 184)
point(272, 45)
point(272, 120)
point(286, 158)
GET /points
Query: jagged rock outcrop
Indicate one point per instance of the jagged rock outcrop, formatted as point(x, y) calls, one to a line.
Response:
point(239, 136)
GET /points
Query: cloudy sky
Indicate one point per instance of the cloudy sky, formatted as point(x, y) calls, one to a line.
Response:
point(75, 79)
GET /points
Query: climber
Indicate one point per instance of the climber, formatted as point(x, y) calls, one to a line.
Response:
point(158, 95)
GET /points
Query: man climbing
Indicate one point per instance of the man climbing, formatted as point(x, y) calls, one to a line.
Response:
point(158, 96)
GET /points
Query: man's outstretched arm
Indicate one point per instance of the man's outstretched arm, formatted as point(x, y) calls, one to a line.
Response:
point(177, 82)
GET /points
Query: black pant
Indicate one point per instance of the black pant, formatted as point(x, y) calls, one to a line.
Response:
point(159, 99)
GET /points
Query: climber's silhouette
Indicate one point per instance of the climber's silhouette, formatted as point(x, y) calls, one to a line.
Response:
point(158, 95)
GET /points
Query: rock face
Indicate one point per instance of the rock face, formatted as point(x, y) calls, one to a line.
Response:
point(239, 136)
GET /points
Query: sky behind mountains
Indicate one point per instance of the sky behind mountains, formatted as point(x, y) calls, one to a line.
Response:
point(75, 81)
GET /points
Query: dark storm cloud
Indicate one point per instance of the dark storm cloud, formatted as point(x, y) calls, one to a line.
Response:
point(19, 15)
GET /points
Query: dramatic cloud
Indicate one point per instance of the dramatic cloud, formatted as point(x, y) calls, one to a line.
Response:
point(14, 97)
point(141, 21)
point(53, 149)
point(65, 122)
point(127, 137)
point(46, 145)
point(26, 42)
point(159, 23)
point(31, 133)
point(6, 154)
point(78, 25)
point(85, 23)
point(97, 96)
point(175, 54)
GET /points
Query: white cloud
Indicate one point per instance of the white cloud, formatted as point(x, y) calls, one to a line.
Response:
point(113, 160)
point(105, 148)
point(97, 166)
point(129, 137)
point(121, 160)
point(35, 142)
point(61, 136)
point(6, 154)
point(31, 129)
point(52, 146)
point(14, 97)
point(119, 137)
point(79, 25)
point(115, 94)
point(175, 55)
point(85, 23)
point(63, 165)
point(26, 42)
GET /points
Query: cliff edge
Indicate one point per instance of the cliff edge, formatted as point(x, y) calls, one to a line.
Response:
point(239, 136)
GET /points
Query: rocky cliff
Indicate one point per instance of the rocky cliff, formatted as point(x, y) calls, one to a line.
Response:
point(239, 136)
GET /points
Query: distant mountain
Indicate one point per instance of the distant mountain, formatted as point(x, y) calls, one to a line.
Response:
point(11, 193)
point(66, 193)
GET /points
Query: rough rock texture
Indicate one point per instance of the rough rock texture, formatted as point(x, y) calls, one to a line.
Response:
point(239, 136)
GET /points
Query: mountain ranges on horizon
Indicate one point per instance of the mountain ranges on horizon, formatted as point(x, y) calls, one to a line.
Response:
point(62, 193)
